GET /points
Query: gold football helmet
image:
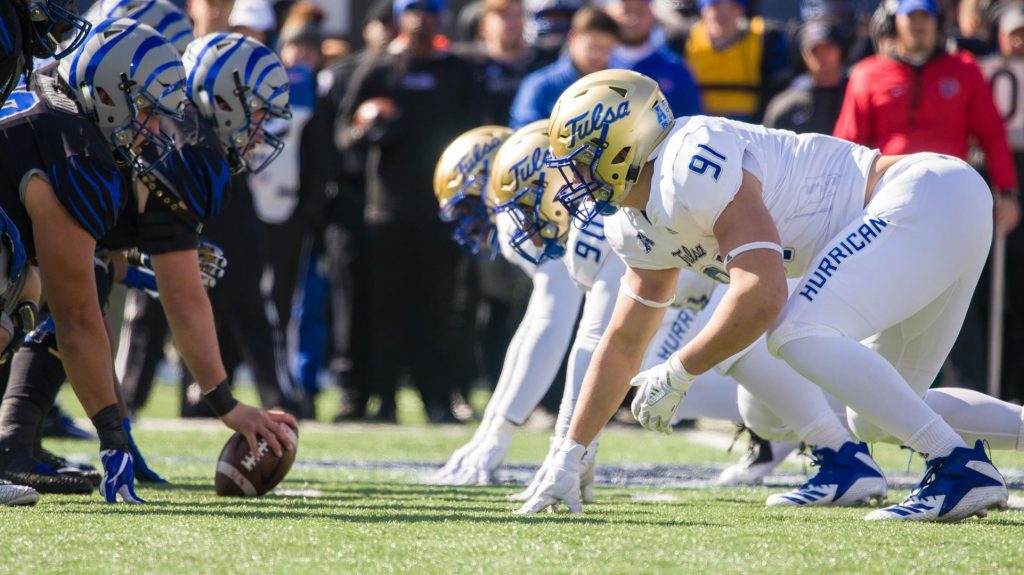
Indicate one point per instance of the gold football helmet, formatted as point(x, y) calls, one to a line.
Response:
point(460, 179)
point(524, 186)
point(602, 130)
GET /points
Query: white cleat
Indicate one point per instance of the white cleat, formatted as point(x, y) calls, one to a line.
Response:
point(762, 457)
point(961, 485)
point(845, 478)
point(11, 494)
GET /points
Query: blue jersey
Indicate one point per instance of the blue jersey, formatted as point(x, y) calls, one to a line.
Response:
point(674, 79)
point(540, 90)
point(43, 133)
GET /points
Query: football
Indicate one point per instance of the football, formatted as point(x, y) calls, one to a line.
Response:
point(240, 474)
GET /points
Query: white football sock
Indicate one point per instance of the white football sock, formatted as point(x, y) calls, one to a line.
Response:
point(797, 402)
point(975, 416)
point(871, 386)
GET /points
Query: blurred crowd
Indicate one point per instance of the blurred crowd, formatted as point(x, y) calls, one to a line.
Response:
point(339, 264)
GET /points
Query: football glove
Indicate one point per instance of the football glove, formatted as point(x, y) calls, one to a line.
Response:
point(212, 263)
point(561, 482)
point(525, 495)
point(660, 390)
point(118, 476)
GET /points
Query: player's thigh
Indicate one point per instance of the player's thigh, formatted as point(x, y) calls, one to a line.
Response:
point(918, 346)
point(600, 300)
point(928, 225)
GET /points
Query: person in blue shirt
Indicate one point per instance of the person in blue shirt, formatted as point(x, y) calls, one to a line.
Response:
point(589, 47)
point(640, 51)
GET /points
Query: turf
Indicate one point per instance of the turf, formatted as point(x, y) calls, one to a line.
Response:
point(340, 520)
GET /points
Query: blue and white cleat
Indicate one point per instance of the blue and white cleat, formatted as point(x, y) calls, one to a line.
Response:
point(118, 476)
point(955, 487)
point(847, 477)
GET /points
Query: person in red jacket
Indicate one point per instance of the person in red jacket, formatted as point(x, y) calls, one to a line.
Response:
point(918, 98)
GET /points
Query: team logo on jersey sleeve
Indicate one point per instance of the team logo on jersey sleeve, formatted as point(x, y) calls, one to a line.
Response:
point(645, 242)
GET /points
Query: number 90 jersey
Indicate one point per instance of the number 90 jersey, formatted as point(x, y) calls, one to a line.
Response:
point(813, 185)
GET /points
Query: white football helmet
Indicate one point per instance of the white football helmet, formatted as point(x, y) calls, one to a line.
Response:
point(122, 74)
point(238, 84)
point(602, 131)
point(162, 15)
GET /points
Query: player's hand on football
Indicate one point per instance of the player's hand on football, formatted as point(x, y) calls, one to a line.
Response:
point(561, 483)
point(254, 423)
point(659, 393)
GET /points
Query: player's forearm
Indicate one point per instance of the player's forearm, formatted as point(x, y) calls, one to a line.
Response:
point(190, 318)
point(604, 387)
point(746, 311)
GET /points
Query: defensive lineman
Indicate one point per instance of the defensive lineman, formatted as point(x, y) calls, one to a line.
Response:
point(749, 206)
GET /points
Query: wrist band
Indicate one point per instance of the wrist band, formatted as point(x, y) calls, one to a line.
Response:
point(626, 291)
point(679, 373)
point(220, 400)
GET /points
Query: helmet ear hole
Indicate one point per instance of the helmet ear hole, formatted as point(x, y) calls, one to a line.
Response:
point(622, 155)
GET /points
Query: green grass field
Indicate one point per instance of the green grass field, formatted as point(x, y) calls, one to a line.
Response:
point(339, 520)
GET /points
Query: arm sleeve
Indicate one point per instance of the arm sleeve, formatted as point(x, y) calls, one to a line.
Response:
point(854, 123)
point(987, 126)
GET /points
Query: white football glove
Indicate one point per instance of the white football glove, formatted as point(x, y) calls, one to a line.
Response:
point(538, 477)
point(444, 475)
point(588, 472)
point(660, 390)
point(561, 482)
point(478, 468)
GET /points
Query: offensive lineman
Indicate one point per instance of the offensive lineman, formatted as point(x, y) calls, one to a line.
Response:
point(749, 206)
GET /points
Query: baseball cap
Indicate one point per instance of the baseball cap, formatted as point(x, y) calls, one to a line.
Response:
point(816, 32)
point(908, 6)
point(1011, 18)
point(253, 14)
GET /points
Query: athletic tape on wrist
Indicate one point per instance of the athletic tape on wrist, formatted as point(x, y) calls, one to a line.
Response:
point(750, 247)
point(220, 400)
point(626, 291)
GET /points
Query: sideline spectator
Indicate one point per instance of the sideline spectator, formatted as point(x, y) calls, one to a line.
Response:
point(404, 107)
point(254, 18)
point(918, 98)
point(739, 62)
point(640, 52)
point(1005, 72)
point(590, 42)
point(813, 100)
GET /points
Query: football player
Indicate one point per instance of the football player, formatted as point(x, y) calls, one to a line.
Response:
point(35, 28)
point(868, 236)
point(163, 16)
point(72, 198)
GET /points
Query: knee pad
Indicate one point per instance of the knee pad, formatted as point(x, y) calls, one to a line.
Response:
point(865, 431)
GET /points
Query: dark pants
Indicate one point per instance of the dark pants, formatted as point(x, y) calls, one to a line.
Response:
point(412, 270)
point(141, 348)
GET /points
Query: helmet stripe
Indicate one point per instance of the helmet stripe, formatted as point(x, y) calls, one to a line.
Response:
point(73, 76)
point(147, 46)
point(257, 54)
point(98, 57)
point(169, 19)
point(211, 77)
point(197, 63)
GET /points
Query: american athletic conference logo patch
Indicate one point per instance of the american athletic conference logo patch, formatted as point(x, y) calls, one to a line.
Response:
point(949, 87)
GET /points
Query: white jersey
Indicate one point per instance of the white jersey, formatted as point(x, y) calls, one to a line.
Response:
point(813, 186)
point(586, 252)
point(506, 226)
